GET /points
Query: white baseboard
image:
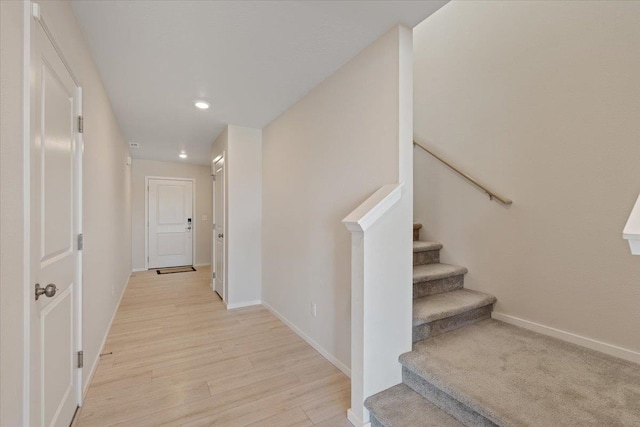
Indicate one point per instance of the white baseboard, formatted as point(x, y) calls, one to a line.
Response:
point(138, 270)
point(208, 264)
point(243, 304)
point(592, 344)
point(330, 357)
point(87, 383)
point(355, 420)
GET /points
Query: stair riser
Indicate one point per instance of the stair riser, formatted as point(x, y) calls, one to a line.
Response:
point(426, 257)
point(437, 327)
point(375, 422)
point(442, 400)
point(438, 286)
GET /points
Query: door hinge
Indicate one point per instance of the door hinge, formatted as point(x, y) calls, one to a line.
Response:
point(80, 359)
point(214, 177)
point(80, 124)
point(80, 241)
point(214, 274)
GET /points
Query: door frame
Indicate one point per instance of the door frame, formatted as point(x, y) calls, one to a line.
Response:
point(146, 215)
point(32, 12)
point(225, 290)
point(213, 227)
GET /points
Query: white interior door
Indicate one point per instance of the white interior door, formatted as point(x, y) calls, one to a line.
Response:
point(54, 222)
point(219, 213)
point(170, 222)
point(213, 228)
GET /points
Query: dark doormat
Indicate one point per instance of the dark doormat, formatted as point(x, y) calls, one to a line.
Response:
point(171, 270)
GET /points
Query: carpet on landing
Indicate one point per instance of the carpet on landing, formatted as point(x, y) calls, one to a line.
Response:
point(515, 377)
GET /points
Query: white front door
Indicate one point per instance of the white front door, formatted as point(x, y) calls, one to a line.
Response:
point(54, 222)
point(170, 222)
point(219, 214)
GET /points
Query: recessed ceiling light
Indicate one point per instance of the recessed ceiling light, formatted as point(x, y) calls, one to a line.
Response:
point(202, 105)
point(182, 155)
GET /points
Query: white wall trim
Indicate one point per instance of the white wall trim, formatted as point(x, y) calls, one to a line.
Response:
point(330, 357)
point(243, 304)
point(138, 270)
point(592, 344)
point(206, 264)
point(355, 420)
point(79, 156)
point(372, 209)
point(85, 388)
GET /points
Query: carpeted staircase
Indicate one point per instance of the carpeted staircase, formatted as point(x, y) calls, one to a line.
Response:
point(467, 369)
point(440, 302)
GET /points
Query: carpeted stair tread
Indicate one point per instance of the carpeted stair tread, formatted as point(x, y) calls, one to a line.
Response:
point(399, 406)
point(515, 377)
point(429, 272)
point(439, 306)
point(421, 246)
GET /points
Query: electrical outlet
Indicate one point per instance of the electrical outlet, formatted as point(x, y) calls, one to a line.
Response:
point(314, 309)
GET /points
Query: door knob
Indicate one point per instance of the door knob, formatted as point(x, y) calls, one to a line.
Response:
point(220, 236)
point(48, 291)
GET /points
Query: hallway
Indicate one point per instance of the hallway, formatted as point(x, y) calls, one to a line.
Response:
point(176, 357)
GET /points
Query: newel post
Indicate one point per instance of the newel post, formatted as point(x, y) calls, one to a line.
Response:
point(358, 222)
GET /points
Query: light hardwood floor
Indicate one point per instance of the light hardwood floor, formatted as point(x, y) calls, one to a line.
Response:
point(177, 357)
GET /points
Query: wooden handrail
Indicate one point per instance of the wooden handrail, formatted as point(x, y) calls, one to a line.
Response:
point(492, 195)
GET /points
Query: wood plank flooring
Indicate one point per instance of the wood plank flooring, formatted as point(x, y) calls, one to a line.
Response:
point(177, 357)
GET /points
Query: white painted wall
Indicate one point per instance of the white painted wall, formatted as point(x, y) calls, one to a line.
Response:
point(242, 148)
point(321, 159)
point(106, 203)
point(541, 100)
point(12, 223)
point(202, 195)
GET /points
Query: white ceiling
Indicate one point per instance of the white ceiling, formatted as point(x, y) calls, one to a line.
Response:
point(250, 59)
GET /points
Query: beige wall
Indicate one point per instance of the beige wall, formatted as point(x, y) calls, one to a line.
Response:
point(541, 100)
point(202, 176)
point(322, 158)
point(12, 222)
point(106, 196)
point(242, 148)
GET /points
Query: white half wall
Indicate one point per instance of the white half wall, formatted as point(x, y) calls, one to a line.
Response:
point(541, 101)
point(322, 158)
point(242, 148)
point(202, 195)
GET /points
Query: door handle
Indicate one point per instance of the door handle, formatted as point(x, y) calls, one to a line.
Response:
point(220, 236)
point(188, 228)
point(48, 291)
